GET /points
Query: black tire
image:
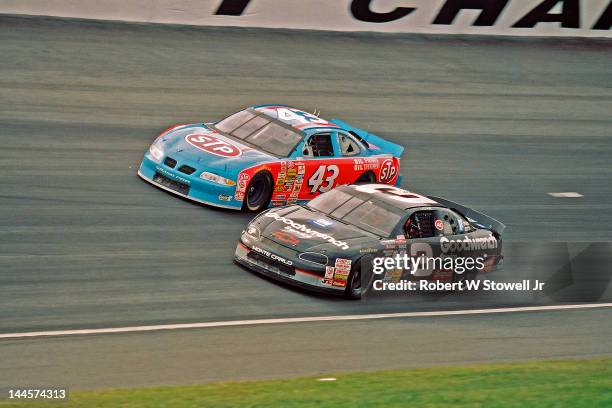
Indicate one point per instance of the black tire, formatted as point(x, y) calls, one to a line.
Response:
point(258, 193)
point(354, 285)
point(464, 277)
point(366, 178)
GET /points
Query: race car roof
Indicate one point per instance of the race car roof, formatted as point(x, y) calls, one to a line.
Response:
point(393, 196)
point(293, 117)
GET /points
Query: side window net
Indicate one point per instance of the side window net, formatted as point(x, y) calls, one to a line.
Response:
point(348, 146)
point(420, 225)
point(362, 140)
point(454, 223)
point(319, 146)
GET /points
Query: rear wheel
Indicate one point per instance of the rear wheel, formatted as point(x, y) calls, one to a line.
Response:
point(258, 193)
point(366, 178)
point(464, 277)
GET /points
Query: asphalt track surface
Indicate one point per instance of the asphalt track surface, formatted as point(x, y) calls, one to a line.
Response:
point(494, 124)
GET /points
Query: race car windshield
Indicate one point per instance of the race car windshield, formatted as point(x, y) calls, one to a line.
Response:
point(232, 122)
point(327, 203)
point(260, 132)
point(367, 215)
point(374, 218)
point(275, 139)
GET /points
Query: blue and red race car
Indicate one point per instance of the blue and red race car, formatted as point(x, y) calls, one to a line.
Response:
point(268, 155)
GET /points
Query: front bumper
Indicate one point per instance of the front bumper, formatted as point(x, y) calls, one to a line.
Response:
point(191, 187)
point(295, 276)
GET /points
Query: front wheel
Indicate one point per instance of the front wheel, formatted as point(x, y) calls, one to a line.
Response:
point(354, 286)
point(258, 193)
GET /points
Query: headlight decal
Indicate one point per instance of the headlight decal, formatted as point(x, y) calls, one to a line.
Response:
point(156, 152)
point(314, 257)
point(215, 178)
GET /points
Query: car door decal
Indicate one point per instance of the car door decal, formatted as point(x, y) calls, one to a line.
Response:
point(323, 179)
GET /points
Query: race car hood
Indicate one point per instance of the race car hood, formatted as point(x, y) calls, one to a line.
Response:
point(217, 152)
point(304, 230)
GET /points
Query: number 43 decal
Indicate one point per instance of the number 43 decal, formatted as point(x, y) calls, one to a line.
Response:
point(323, 179)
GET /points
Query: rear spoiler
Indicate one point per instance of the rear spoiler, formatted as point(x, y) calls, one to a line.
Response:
point(473, 216)
point(375, 141)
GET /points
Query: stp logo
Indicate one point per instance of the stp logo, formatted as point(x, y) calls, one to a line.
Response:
point(388, 171)
point(213, 144)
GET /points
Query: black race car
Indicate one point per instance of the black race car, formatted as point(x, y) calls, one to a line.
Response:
point(325, 244)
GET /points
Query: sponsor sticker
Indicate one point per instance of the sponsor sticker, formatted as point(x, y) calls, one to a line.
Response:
point(339, 283)
point(241, 186)
point(329, 272)
point(322, 222)
point(298, 179)
point(439, 225)
point(393, 275)
point(212, 144)
point(341, 262)
point(365, 163)
point(388, 171)
point(224, 197)
point(342, 271)
point(388, 242)
point(468, 244)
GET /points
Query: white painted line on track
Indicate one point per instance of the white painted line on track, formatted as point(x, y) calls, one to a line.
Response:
point(255, 322)
point(570, 194)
